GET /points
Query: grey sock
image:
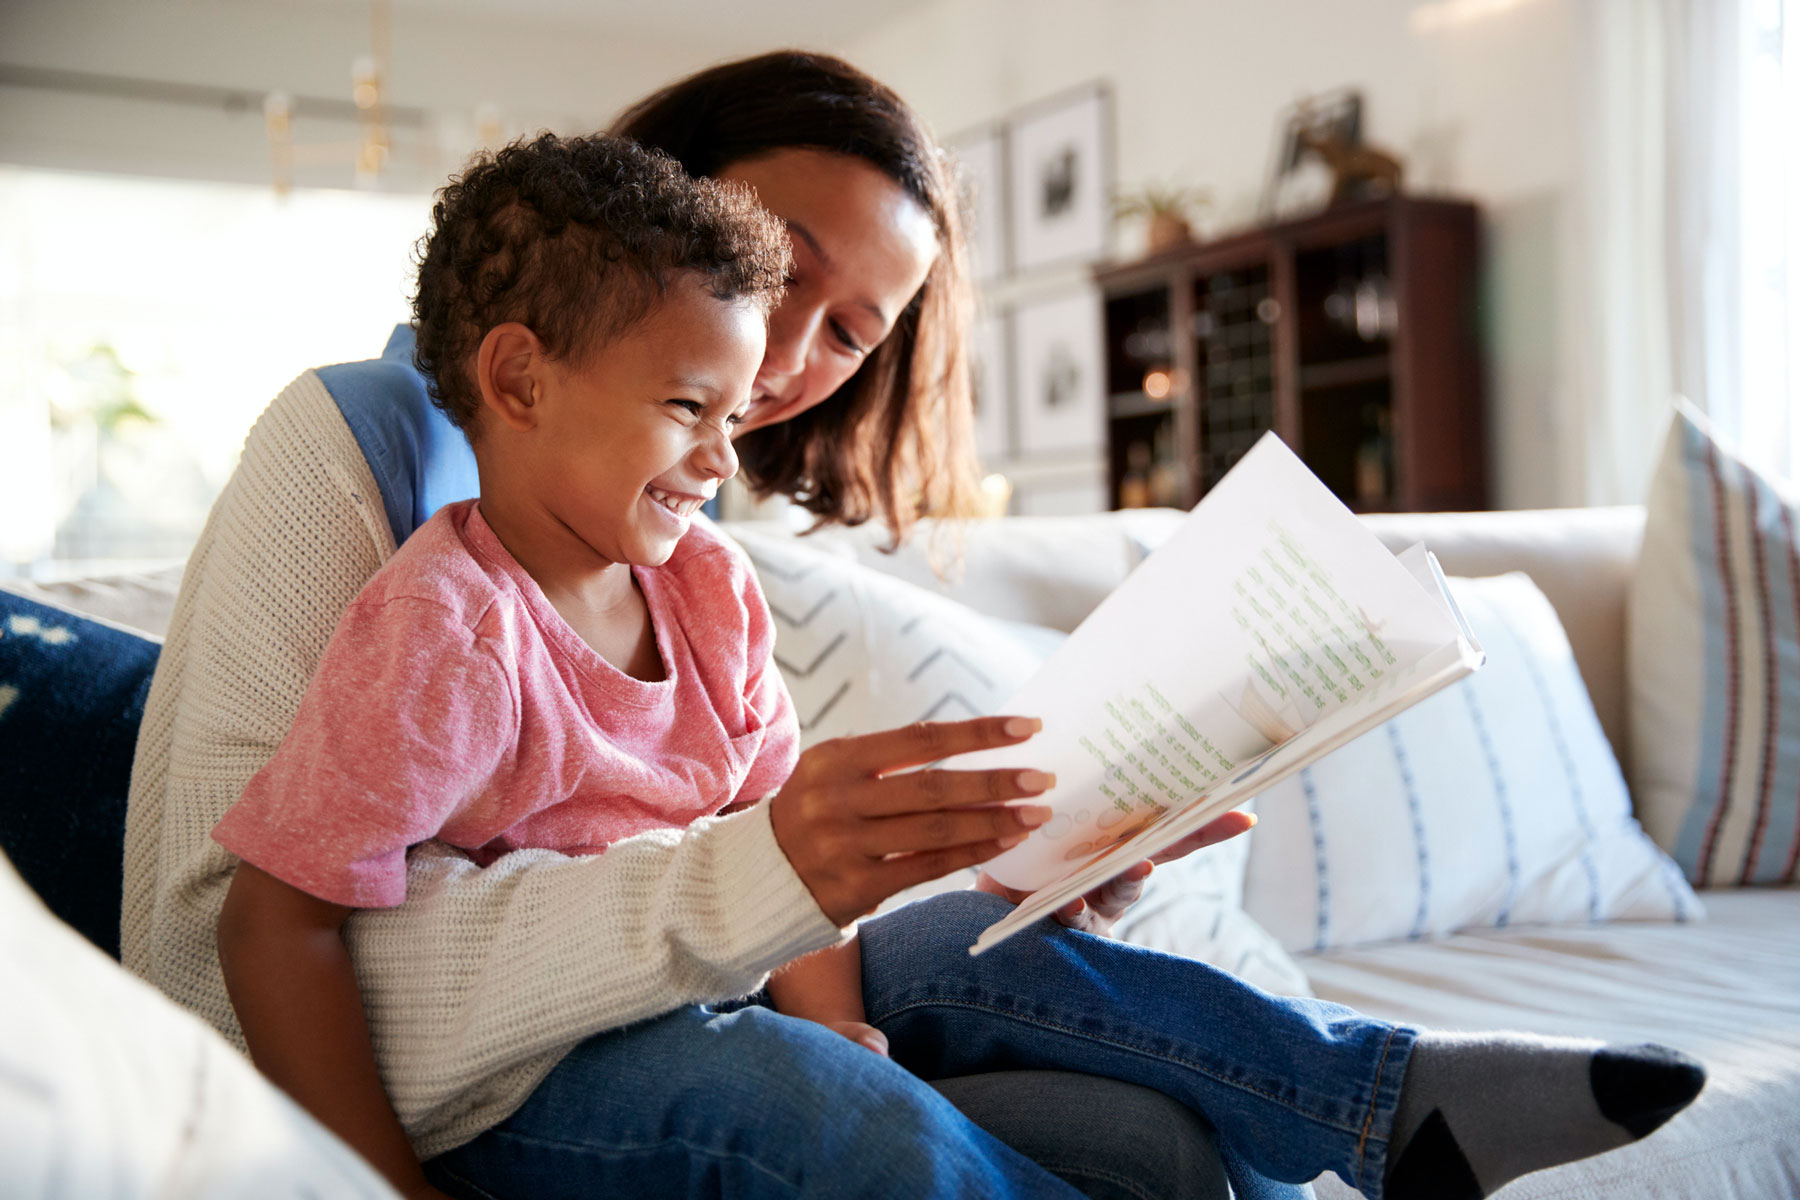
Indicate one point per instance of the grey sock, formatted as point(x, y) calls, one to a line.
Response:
point(1478, 1110)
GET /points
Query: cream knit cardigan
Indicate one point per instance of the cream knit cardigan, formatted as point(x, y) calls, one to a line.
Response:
point(483, 979)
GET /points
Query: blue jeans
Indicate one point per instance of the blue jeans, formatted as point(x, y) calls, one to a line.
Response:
point(750, 1103)
point(1294, 1087)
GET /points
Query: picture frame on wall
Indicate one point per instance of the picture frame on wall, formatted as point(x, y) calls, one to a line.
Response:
point(993, 388)
point(1060, 383)
point(981, 174)
point(1298, 181)
point(1060, 179)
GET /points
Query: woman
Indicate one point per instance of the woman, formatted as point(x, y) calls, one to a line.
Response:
point(861, 411)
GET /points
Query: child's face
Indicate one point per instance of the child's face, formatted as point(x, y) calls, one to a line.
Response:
point(633, 440)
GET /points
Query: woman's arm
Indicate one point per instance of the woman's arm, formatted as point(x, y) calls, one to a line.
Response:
point(291, 983)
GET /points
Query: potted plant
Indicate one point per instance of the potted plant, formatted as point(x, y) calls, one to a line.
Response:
point(1167, 211)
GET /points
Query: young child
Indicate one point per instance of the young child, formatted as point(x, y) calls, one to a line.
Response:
point(568, 662)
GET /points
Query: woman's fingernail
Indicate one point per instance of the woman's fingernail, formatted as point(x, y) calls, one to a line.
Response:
point(1032, 815)
point(1011, 840)
point(1021, 726)
point(1035, 781)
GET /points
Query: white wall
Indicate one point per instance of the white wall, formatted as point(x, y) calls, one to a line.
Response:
point(1494, 108)
point(541, 73)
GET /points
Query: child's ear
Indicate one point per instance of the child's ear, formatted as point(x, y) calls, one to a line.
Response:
point(509, 369)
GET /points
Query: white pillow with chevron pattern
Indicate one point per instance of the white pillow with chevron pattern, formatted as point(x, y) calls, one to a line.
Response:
point(862, 651)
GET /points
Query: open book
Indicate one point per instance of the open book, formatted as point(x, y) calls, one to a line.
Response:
point(1271, 629)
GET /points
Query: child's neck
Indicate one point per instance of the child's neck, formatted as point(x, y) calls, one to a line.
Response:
point(597, 598)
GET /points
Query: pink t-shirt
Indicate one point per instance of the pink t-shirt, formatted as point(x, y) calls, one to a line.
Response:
point(453, 702)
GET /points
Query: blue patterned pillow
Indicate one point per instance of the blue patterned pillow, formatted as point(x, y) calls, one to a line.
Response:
point(1714, 664)
point(71, 697)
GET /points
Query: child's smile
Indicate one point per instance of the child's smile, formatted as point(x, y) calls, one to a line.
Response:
point(617, 449)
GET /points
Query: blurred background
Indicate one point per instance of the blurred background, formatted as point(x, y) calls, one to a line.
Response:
point(1459, 252)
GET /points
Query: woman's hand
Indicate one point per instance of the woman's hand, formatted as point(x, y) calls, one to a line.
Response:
point(858, 826)
point(1099, 909)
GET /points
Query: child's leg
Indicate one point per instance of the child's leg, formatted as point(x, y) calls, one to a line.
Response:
point(748, 1104)
point(1295, 1086)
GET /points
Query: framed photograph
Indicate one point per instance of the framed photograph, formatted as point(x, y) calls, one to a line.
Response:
point(993, 388)
point(1061, 384)
point(1060, 179)
point(1299, 180)
point(981, 173)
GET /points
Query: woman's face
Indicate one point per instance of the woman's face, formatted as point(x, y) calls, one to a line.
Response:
point(862, 248)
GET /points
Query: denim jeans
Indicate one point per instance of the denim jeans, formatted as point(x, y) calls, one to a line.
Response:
point(749, 1103)
point(1294, 1087)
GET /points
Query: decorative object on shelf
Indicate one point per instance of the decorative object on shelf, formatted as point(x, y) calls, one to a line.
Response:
point(1166, 211)
point(1321, 161)
point(981, 170)
point(1060, 175)
point(1297, 327)
point(1060, 364)
point(993, 388)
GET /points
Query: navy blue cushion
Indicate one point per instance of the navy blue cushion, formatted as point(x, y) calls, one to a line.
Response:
point(71, 698)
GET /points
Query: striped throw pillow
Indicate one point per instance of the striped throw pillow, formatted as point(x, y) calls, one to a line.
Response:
point(1714, 664)
point(1495, 803)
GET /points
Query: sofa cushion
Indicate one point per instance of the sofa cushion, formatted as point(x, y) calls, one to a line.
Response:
point(1726, 991)
point(108, 1089)
point(142, 601)
point(1049, 571)
point(72, 695)
point(1715, 663)
point(862, 651)
point(1496, 802)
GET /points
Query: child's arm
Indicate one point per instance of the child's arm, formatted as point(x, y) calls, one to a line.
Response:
point(296, 997)
point(826, 986)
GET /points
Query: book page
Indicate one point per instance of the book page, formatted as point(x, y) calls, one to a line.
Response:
point(1434, 672)
point(1269, 611)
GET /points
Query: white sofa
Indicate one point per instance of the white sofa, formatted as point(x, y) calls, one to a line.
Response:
point(1726, 989)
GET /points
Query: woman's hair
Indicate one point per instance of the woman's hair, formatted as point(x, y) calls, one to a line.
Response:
point(896, 440)
point(577, 239)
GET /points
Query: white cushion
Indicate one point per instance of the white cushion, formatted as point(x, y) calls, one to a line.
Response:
point(1194, 908)
point(1714, 664)
point(862, 651)
point(140, 602)
point(108, 1089)
point(1726, 991)
point(1496, 802)
point(1049, 571)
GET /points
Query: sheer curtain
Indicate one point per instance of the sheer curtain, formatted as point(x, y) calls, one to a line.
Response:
point(1694, 208)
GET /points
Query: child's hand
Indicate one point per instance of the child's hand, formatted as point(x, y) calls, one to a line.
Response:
point(858, 826)
point(862, 1033)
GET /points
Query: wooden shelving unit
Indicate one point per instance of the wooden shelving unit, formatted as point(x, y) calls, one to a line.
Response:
point(1352, 334)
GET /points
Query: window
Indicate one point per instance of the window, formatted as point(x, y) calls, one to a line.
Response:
point(143, 326)
point(1769, 221)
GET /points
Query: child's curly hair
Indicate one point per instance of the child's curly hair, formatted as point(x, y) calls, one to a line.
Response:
point(577, 238)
